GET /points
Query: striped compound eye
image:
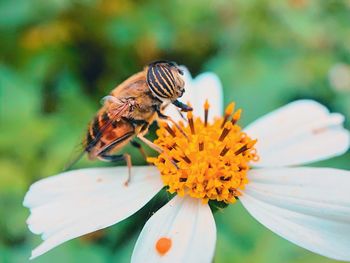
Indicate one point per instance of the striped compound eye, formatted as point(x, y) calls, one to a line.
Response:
point(162, 79)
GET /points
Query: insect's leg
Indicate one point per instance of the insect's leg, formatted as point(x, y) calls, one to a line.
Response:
point(140, 148)
point(182, 106)
point(156, 148)
point(127, 158)
point(116, 158)
point(168, 118)
point(149, 143)
point(162, 116)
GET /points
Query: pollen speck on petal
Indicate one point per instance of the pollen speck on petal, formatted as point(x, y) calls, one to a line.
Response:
point(163, 245)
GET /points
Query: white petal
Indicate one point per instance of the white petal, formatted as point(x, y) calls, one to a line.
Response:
point(205, 86)
point(190, 226)
point(301, 132)
point(78, 202)
point(307, 206)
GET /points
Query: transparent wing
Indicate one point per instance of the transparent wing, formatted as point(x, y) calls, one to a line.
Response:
point(116, 109)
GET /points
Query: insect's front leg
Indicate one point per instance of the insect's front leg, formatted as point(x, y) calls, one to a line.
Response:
point(182, 106)
point(156, 148)
point(150, 144)
point(168, 118)
point(162, 116)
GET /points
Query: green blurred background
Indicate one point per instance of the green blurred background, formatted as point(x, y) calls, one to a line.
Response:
point(59, 57)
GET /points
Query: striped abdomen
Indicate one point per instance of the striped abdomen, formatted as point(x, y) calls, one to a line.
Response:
point(161, 80)
point(96, 130)
point(105, 136)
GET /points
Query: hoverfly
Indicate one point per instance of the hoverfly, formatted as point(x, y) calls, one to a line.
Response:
point(130, 109)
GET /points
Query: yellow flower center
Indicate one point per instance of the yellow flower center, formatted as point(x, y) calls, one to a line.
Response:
point(205, 160)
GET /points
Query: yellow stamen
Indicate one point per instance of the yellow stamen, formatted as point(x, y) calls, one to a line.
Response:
point(224, 151)
point(241, 150)
point(178, 127)
point(200, 143)
point(186, 159)
point(225, 131)
point(190, 121)
point(212, 161)
point(170, 130)
point(230, 108)
point(206, 112)
point(228, 112)
point(236, 116)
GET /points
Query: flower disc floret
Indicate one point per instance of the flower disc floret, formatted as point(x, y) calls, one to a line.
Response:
point(205, 160)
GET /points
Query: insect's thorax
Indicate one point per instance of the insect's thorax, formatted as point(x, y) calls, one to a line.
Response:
point(145, 102)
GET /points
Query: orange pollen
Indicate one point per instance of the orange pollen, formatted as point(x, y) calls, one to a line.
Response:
point(212, 159)
point(236, 116)
point(163, 245)
point(206, 105)
point(228, 111)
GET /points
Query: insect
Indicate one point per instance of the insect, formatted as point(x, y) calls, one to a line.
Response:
point(130, 109)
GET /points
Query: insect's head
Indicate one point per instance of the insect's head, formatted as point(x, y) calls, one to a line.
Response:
point(164, 78)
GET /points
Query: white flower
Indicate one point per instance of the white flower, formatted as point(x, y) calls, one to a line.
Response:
point(308, 206)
